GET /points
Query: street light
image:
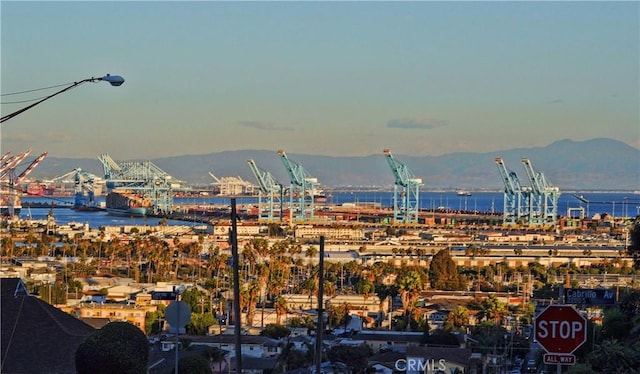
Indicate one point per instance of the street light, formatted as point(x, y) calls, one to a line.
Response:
point(114, 80)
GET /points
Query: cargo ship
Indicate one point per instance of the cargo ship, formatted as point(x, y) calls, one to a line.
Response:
point(128, 203)
point(319, 196)
point(40, 189)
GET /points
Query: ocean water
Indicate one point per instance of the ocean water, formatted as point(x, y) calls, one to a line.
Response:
point(616, 204)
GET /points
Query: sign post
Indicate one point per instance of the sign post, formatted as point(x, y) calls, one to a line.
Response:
point(560, 330)
point(178, 314)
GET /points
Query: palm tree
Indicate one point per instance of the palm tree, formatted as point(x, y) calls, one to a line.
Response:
point(613, 356)
point(457, 319)
point(7, 246)
point(311, 253)
point(409, 285)
point(248, 298)
point(281, 308)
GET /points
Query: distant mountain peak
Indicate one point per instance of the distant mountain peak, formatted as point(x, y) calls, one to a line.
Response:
point(600, 163)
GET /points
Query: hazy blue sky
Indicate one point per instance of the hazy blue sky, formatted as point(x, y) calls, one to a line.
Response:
point(334, 78)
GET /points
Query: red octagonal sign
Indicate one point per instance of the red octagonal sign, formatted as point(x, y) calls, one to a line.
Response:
point(560, 329)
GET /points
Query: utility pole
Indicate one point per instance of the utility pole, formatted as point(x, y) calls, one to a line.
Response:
point(320, 327)
point(236, 285)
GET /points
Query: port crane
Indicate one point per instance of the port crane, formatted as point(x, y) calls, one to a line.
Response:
point(516, 197)
point(11, 181)
point(543, 200)
point(270, 193)
point(84, 188)
point(406, 191)
point(302, 190)
point(12, 162)
point(142, 177)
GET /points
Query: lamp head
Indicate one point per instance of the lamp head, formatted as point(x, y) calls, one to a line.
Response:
point(114, 80)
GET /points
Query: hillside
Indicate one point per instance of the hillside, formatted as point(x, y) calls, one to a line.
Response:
point(597, 164)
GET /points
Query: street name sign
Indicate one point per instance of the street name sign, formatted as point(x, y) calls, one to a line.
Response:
point(559, 359)
point(560, 329)
point(590, 296)
point(164, 295)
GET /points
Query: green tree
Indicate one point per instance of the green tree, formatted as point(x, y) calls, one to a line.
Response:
point(355, 357)
point(443, 273)
point(199, 323)
point(118, 347)
point(338, 315)
point(292, 359)
point(492, 309)
point(613, 356)
point(630, 304)
point(194, 364)
point(275, 331)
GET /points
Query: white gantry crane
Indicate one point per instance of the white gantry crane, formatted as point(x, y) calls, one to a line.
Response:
point(543, 205)
point(270, 193)
point(232, 186)
point(302, 189)
point(406, 191)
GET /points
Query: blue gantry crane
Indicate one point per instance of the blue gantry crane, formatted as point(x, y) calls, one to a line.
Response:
point(83, 189)
point(406, 191)
point(141, 181)
point(516, 197)
point(543, 205)
point(270, 193)
point(302, 189)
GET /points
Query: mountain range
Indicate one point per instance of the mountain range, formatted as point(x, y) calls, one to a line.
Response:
point(596, 164)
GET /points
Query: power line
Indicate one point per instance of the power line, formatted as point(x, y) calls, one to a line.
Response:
point(36, 89)
point(22, 101)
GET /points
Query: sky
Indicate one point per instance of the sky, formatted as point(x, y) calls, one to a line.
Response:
point(324, 78)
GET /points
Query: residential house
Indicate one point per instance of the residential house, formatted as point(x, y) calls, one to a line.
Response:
point(252, 345)
point(437, 359)
point(133, 314)
point(389, 340)
point(35, 336)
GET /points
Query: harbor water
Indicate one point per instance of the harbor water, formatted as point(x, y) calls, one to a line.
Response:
point(615, 204)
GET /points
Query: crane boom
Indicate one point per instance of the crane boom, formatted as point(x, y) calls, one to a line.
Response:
point(296, 172)
point(536, 179)
point(543, 207)
point(12, 162)
point(4, 157)
point(30, 168)
point(516, 198)
point(303, 187)
point(109, 165)
point(270, 192)
point(402, 174)
point(510, 179)
point(266, 181)
point(214, 177)
point(406, 191)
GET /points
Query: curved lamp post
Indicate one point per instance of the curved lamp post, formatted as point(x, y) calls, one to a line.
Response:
point(114, 80)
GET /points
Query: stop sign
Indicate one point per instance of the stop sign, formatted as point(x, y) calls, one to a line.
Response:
point(560, 329)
